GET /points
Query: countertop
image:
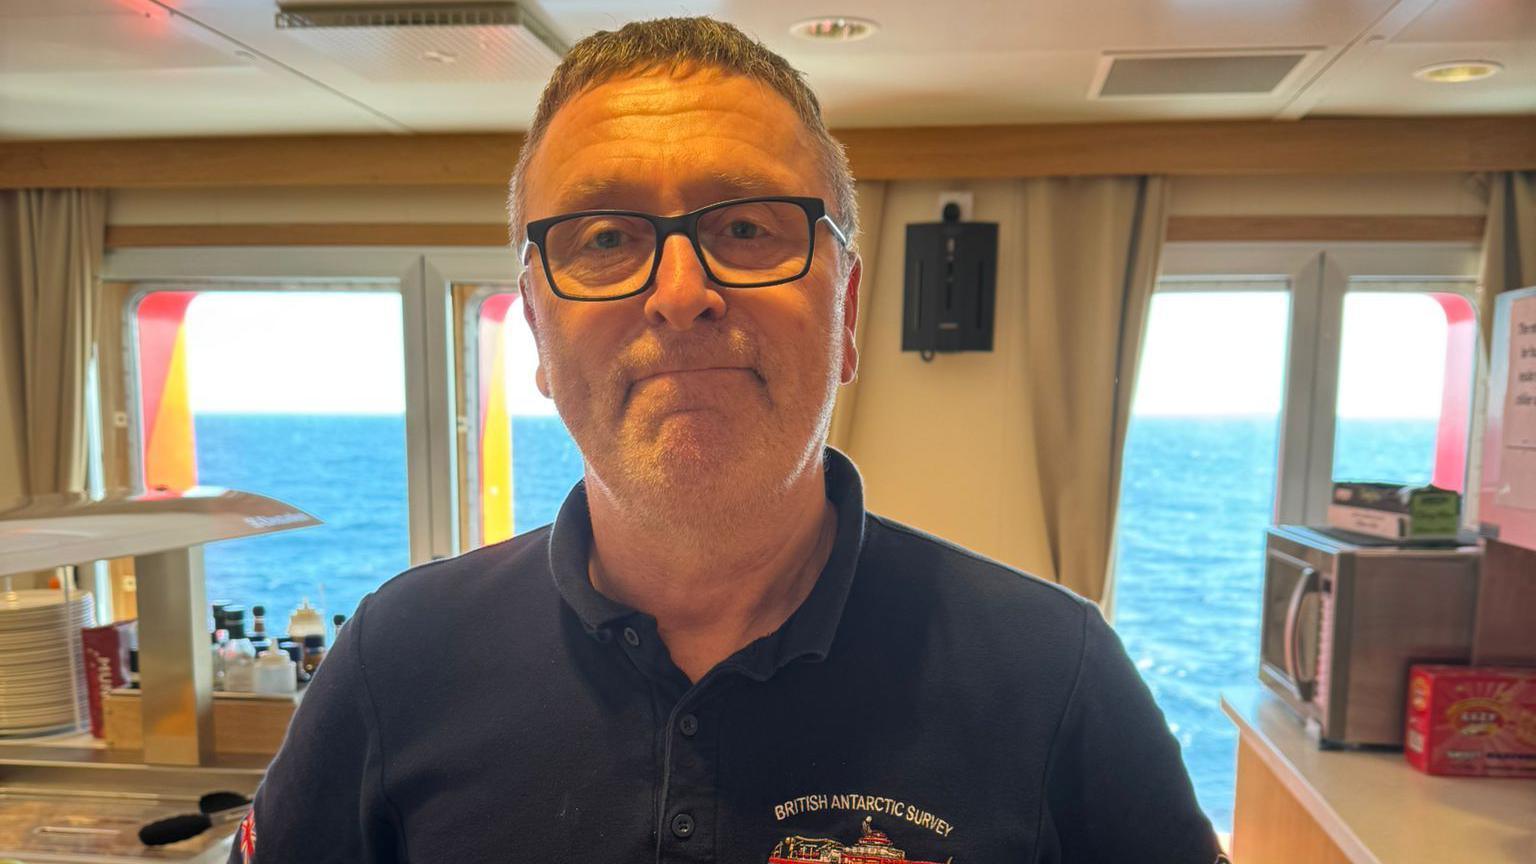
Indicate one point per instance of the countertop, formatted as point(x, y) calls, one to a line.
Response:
point(1377, 808)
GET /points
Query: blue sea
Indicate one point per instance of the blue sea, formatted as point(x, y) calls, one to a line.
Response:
point(1196, 497)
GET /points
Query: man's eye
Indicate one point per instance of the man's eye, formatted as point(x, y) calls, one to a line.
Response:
point(609, 239)
point(742, 230)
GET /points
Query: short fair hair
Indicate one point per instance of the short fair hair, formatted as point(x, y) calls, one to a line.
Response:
point(680, 46)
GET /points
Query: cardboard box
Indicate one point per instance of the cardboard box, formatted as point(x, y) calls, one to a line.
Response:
point(105, 655)
point(1472, 721)
point(1395, 512)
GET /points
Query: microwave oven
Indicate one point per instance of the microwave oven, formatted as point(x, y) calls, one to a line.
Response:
point(1344, 618)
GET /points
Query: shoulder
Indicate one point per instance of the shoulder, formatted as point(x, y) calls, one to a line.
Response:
point(924, 562)
point(1011, 642)
point(440, 598)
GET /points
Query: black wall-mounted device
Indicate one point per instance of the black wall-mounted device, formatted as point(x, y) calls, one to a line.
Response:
point(951, 285)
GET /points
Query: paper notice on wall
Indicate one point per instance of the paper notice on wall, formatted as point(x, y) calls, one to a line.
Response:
point(1520, 395)
point(1517, 483)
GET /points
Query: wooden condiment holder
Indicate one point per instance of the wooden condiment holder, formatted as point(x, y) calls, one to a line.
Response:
point(249, 723)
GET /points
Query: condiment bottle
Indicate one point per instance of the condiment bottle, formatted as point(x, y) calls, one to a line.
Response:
point(306, 621)
point(314, 652)
point(258, 622)
point(239, 654)
point(275, 673)
point(220, 637)
point(218, 614)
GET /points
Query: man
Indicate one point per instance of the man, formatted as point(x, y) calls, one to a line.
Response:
point(715, 653)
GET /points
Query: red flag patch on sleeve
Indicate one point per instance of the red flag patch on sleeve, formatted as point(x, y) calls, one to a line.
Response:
point(246, 836)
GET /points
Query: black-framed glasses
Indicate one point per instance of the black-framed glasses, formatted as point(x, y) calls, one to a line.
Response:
point(742, 243)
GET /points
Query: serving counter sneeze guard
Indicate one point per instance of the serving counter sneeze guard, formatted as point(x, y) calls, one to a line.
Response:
point(164, 533)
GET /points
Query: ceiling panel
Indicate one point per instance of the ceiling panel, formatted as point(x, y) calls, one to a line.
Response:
point(1043, 87)
point(29, 8)
point(1012, 25)
point(1475, 21)
point(108, 42)
point(111, 68)
point(230, 101)
point(1387, 83)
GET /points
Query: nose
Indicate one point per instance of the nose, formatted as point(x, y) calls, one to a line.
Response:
point(682, 293)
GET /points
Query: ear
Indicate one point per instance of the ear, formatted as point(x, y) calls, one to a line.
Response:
point(851, 320)
point(524, 288)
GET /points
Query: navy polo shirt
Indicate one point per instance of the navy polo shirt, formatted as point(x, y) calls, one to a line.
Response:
point(923, 704)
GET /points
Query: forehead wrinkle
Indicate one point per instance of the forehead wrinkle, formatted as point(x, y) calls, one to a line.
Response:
point(733, 122)
point(592, 190)
point(726, 105)
point(696, 172)
point(632, 92)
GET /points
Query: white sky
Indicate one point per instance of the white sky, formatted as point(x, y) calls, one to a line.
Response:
point(1215, 353)
point(260, 352)
point(1207, 353)
point(523, 396)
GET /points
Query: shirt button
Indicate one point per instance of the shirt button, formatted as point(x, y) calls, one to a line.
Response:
point(682, 825)
point(688, 725)
point(632, 637)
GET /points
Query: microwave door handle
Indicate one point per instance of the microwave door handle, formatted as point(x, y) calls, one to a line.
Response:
point(1305, 585)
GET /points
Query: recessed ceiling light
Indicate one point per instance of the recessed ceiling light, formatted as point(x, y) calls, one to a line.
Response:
point(835, 29)
point(1458, 71)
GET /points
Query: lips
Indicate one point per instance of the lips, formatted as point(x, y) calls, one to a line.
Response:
point(693, 369)
point(693, 378)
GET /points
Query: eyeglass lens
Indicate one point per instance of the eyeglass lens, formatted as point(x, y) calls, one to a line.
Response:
point(744, 244)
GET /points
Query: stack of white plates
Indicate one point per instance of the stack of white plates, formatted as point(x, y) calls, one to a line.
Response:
point(42, 687)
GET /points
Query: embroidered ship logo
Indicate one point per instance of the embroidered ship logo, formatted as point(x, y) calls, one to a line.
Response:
point(873, 848)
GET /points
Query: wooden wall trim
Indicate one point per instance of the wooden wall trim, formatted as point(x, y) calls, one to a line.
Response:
point(307, 234)
point(1312, 146)
point(1250, 229)
point(1376, 229)
point(288, 160)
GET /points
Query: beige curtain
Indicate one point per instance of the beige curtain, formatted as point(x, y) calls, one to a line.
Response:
point(50, 259)
point(1016, 453)
point(1509, 241)
point(871, 197)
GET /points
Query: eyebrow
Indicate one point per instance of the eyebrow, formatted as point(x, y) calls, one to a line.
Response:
point(603, 193)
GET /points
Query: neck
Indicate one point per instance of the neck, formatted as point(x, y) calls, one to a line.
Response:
point(712, 592)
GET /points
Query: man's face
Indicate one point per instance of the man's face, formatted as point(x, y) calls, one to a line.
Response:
point(689, 391)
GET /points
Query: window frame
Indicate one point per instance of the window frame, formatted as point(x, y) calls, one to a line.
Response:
point(1319, 275)
point(427, 340)
point(467, 278)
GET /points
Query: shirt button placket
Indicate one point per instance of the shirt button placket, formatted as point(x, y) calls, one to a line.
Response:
point(691, 796)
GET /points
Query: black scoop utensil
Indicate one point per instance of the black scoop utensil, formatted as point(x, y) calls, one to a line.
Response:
point(217, 808)
point(214, 802)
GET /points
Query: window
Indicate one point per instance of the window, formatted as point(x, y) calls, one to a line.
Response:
point(522, 462)
point(1198, 490)
point(294, 393)
point(1266, 371)
point(1405, 378)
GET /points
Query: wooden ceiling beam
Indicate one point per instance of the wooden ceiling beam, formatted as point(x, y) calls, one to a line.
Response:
point(1225, 229)
point(1362, 145)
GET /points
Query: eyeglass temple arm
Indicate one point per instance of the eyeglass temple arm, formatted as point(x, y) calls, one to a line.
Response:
point(837, 231)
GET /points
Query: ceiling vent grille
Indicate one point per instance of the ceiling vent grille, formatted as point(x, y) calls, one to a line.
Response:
point(391, 42)
point(1204, 74)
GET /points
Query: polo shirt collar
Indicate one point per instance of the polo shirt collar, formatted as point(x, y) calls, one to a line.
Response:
point(808, 632)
